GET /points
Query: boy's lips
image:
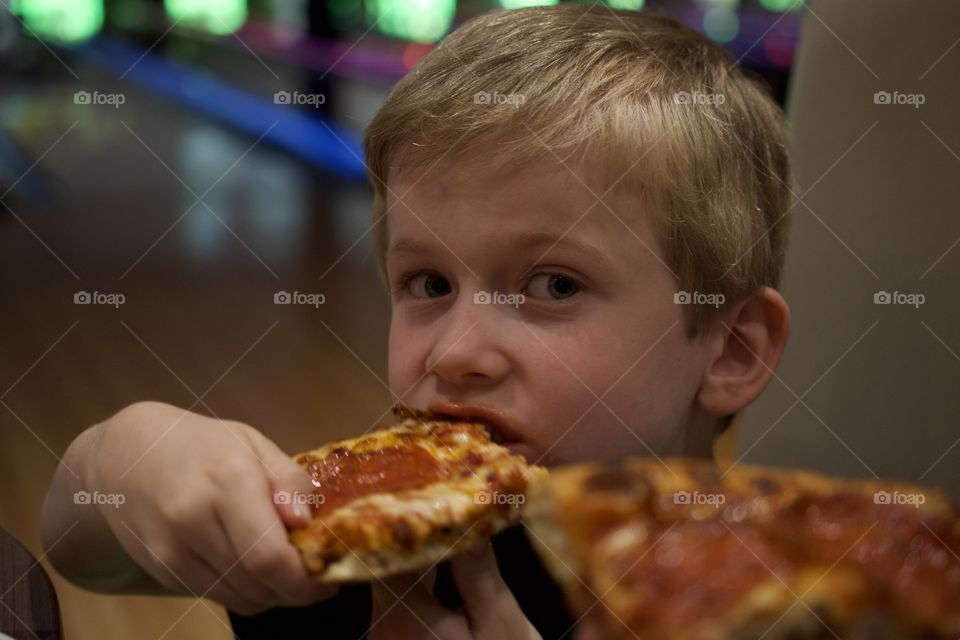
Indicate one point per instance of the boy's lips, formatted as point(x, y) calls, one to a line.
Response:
point(504, 430)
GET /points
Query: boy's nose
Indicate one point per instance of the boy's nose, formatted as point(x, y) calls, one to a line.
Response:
point(467, 350)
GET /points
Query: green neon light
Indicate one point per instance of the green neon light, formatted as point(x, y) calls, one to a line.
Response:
point(418, 20)
point(66, 21)
point(219, 17)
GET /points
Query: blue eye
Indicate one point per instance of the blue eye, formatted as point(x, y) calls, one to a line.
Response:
point(552, 285)
point(427, 285)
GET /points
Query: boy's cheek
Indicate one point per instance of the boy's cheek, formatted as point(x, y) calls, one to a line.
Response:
point(402, 363)
point(603, 435)
point(645, 401)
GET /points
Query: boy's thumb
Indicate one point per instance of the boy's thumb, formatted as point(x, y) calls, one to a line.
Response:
point(291, 489)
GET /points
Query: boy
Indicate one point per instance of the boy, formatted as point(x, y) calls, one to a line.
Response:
point(580, 214)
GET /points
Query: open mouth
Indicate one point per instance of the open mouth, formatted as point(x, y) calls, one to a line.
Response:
point(498, 425)
point(495, 434)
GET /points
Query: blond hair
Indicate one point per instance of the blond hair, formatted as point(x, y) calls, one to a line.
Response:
point(636, 95)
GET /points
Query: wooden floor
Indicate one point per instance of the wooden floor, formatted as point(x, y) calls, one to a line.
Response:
point(199, 318)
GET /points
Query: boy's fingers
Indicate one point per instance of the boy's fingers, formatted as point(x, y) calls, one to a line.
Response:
point(478, 579)
point(221, 591)
point(195, 576)
point(287, 480)
point(261, 545)
point(490, 606)
point(290, 483)
point(418, 615)
point(210, 545)
point(587, 630)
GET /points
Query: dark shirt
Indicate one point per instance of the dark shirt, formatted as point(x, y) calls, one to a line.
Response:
point(347, 615)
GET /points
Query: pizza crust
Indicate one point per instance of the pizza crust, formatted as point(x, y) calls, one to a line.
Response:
point(433, 523)
point(363, 566)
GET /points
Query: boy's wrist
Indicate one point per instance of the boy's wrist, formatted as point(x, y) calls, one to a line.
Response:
point(115, 570)
point(89, 454)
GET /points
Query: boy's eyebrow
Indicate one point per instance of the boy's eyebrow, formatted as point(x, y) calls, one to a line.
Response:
point(549, 240)
point(407, 246)
point(546, 240)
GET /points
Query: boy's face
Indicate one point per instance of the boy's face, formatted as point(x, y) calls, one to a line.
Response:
point(594, 363)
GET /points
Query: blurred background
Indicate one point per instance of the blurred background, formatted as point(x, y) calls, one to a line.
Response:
point(173, 172)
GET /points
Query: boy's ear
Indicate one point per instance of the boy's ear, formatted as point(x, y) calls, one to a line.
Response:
point(745, 345)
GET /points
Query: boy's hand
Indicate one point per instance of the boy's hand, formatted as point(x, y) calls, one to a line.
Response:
point(489, 609)
point(198, 512)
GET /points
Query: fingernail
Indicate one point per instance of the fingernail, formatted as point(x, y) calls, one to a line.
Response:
point(301, 511)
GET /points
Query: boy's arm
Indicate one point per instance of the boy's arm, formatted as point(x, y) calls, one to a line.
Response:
point(73, 534)
point(176, 502)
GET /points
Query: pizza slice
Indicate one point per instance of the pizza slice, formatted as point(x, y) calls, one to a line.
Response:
point(675, 549)
point(407, 496)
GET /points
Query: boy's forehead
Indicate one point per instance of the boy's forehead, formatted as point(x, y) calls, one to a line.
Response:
point(541, 205)
point(479, 180)
point(547, 193)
